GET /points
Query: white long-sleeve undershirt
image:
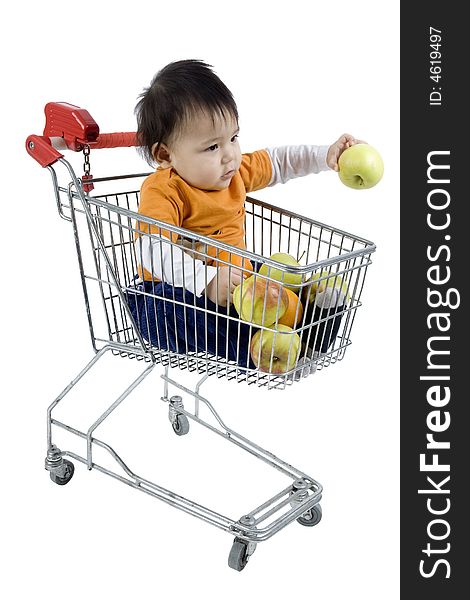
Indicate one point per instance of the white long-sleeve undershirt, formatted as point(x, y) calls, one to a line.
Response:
point(289, 162)
point(171, 264)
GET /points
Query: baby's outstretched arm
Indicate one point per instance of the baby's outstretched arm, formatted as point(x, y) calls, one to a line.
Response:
point(338, 147)
point(289, 162)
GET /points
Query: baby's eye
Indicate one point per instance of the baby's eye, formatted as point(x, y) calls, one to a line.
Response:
point(235, 137)
point(212, 148)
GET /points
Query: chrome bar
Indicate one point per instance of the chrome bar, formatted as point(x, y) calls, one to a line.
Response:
point(113, 406)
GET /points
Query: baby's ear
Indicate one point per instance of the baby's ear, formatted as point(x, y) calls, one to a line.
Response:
point(162, 156)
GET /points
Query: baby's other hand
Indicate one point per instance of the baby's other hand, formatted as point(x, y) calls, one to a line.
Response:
point(338, 147)
point(220, 289)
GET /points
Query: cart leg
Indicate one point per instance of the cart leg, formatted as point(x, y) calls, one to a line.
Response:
point(66, 390)
point(303, 495)
point(165, 386)
point(54, 460)
point(61, 470)
point(113, 406)
point(231, 435)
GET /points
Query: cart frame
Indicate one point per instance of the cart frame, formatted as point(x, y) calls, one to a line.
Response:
point(300, 500)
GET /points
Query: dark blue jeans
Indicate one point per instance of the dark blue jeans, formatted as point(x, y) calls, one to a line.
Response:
point(174, 319)
point(323, 332)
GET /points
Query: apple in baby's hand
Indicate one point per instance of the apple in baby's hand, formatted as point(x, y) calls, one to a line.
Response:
point(275, 350)
point(291, 281)
point(260, 301)
point(360, 167)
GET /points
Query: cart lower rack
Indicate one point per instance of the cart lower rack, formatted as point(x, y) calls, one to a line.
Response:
point(133, 314)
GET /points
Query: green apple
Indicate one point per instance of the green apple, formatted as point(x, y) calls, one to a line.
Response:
point(360, 167)
point(260, 301)
point(289, 280)
point(275, 350)
point(327, 284)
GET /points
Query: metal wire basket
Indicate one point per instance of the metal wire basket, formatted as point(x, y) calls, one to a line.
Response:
point(110, 267)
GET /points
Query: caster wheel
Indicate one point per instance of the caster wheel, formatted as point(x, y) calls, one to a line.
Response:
point(181, 425)
point(68, 474)
point(312, 517)
point(238, 556)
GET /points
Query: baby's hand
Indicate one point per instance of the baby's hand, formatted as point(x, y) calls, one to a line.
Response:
point(220, 289)
point(336, 149)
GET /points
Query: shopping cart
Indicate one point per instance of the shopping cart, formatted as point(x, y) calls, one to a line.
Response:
point(132, 313)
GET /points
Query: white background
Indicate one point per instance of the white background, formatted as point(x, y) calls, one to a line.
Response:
point(301, 72)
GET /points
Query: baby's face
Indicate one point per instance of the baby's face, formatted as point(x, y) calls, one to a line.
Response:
point(206, 154)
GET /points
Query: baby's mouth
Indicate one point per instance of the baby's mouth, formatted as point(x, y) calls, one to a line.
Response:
point(228, 175)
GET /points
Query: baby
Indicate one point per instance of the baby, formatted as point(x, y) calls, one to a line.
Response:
point(188, 124)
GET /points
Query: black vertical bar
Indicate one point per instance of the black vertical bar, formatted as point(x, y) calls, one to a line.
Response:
point(434, 290)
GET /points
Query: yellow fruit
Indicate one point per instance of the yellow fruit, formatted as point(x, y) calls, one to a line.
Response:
point(289, 280)
point(260, 301)
point(313, 285)
point(275, 350)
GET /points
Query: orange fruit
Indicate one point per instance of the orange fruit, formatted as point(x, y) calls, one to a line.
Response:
point(295, 307)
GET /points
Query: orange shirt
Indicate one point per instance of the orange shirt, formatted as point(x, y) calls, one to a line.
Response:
point(218, 214)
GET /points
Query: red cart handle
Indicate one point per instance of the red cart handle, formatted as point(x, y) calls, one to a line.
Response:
point(115, 140)
point(75, 128)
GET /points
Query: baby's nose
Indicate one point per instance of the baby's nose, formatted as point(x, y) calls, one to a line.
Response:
point(228, 155)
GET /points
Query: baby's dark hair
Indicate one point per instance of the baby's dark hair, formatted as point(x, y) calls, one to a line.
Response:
point(176, 93)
